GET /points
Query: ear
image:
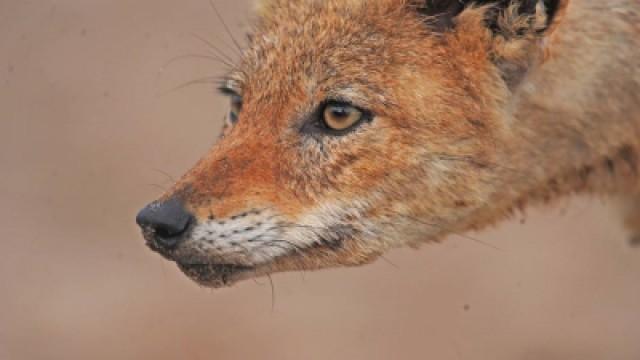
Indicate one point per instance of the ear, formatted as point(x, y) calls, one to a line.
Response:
point(519, 28)
point(441, 14)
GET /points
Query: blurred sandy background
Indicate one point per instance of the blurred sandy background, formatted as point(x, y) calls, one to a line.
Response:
point(87, 126)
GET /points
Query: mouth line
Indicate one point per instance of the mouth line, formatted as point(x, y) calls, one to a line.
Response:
point(217, 267)
point(216, 275)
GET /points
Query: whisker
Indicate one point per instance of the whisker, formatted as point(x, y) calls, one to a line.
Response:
point(224, 24)
point(471, 159)
point(273, 293)
point(286, 225)
point(162, 188)
point(204, 81)
point(212, 46)
point(384, 258)
point(226, 45)
point(255, 279)
point(197, 56)
point(275, 243)
point(167, 175)
point(246, 252)
point(443, 229)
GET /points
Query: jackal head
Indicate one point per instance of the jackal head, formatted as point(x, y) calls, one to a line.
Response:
point(355, 126)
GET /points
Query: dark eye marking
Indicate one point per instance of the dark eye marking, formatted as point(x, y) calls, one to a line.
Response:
point(236, 103)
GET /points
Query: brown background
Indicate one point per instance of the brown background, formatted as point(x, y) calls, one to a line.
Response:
point(88, 123)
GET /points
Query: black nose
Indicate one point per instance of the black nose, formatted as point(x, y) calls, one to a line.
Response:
point(167, 220)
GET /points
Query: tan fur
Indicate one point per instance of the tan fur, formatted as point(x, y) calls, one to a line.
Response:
point(456, 143)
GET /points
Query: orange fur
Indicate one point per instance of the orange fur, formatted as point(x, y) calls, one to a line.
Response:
point(468, 126)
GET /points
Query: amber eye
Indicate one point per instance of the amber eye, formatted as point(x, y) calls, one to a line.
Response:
point(337, 116)
point(236, 107)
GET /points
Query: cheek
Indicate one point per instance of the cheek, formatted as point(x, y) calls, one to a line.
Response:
point(349, 166)
point(369, 163)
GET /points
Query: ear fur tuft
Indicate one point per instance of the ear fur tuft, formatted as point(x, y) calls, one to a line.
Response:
point(441, 14)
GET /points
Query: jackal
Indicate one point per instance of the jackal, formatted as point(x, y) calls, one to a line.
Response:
point(357, 126)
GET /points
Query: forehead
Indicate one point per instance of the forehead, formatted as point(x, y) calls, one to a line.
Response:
point(309, 44)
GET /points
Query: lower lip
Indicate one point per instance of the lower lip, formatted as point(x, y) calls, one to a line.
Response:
point(215, 268)
point(215, 275)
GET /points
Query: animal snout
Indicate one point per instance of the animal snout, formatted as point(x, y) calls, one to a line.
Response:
point(165, 222)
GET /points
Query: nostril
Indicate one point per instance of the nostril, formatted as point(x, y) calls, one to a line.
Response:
point(167, 220)
point(167, 232)
point(171, 230)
